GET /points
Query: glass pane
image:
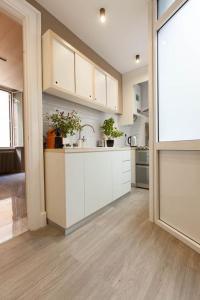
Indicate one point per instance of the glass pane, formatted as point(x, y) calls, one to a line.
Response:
point(179, 75)
point(4, 119)
point(163, 5)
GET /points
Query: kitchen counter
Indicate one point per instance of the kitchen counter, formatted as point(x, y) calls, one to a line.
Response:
point(84, 150)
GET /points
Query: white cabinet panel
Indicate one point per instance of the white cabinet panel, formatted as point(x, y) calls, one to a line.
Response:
point(133, 166)
point(100, 87)
point(74, 165)
point(116, 175)
point(84, 77)
point(121, 173)
point(98, 181)
point(112, 93)
point(63, 66)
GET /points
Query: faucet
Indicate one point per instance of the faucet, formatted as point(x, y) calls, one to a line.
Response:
point(85, 125)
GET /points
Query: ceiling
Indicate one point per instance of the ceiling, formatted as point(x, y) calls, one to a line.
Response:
point(124, 34)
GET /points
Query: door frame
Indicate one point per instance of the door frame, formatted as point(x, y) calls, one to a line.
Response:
point(155, 146)
point(30, 18)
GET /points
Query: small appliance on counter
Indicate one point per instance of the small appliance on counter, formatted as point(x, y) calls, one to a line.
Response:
point(142, 167)
point(132, 141)
point(101, 143)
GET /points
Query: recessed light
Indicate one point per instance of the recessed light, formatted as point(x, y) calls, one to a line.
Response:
point(137, 59)
point(102, 15)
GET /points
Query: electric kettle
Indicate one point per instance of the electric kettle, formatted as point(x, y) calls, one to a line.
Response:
point(132, 141)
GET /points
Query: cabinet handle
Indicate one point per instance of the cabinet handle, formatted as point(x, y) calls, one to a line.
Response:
point(90, 96)
point(56, 82)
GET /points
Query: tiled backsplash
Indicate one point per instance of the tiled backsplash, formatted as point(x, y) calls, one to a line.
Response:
point(87, 115)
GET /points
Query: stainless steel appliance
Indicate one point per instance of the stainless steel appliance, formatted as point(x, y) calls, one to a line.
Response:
point(142, 167)
point(132, 141)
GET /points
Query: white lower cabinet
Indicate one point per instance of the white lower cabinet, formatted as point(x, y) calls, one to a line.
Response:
point(98, 181)
point(79, 184)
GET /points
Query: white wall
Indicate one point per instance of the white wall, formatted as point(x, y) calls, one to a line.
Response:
point(88, 115)
point(129, 80)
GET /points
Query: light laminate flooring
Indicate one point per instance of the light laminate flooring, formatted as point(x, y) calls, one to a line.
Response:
point(118, 255)
point(13, 212)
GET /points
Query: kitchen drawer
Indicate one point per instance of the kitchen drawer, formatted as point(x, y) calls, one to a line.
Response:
point(126, 155)
point(126, 187)
point(126, 166)
point(126, 177)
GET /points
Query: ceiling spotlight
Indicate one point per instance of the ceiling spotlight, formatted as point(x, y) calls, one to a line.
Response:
point(102, 15)
point(137, 59)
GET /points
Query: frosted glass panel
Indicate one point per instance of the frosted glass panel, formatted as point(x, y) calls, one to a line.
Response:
point(179, 75)
point(163, 5)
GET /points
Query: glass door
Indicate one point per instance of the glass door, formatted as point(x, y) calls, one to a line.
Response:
point(177, 121)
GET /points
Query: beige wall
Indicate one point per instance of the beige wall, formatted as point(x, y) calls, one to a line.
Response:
point(11, 48)
point(50, 22)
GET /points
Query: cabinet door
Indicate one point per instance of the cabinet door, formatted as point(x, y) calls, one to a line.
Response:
point(98, 181)
point(112, 93)
point(100, 87)
point(63, 66)
point(116, 175)
point(133, 167)
point(84, 77)
point(74, 187)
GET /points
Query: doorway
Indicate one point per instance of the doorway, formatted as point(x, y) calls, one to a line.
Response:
point(13, 208)
point(30, 20)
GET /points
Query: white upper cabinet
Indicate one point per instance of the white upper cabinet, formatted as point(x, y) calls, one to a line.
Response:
point(63, 66)
point(99, 87)
point(84, 77)
point(70, 75)
point(112, 93)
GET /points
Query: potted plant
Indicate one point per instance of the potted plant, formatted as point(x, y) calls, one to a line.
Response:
point(64, 125)
point(110, 131)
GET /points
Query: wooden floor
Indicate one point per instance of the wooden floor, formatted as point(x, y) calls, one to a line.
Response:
point(119, 255)
point(13, 212)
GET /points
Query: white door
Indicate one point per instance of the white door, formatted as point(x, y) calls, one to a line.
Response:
point(100, 87)
point(177, 139)
point(112, 93)
point(84, 77)
point(98, 181)
point(63, 66)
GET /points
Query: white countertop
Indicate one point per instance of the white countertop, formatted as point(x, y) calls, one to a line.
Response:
point(82, 150)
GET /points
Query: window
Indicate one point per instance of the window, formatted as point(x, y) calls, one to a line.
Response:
point(179, 75)
point(5, 108)
point(163, 5)
point(11, 119)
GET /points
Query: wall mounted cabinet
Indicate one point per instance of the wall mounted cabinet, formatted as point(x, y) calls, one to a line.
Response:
point(100, 87)
point(70, 75)
point(112, 93)
point(63, 77)
point(84, 77)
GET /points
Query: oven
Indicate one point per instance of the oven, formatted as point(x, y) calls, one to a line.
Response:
point(142, 168)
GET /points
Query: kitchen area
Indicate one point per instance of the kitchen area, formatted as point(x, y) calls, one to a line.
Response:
point(96, 148)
